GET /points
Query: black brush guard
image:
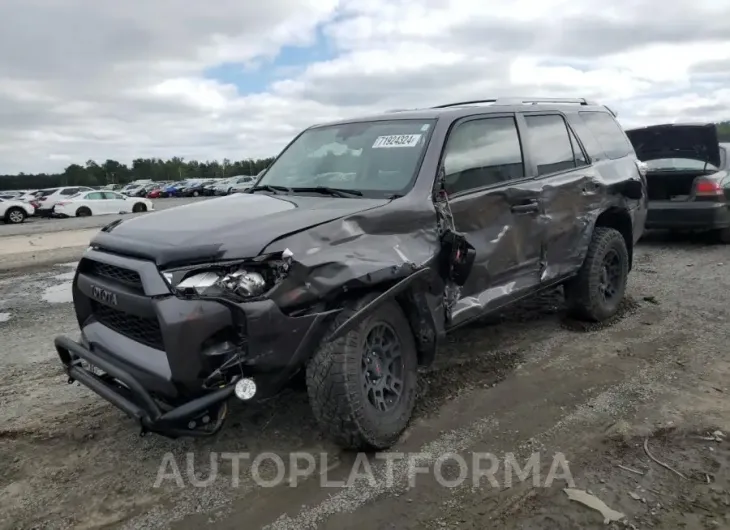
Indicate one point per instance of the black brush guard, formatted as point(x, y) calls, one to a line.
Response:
point(131, 397)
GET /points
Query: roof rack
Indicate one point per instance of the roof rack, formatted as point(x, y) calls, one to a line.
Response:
point(463, 103)
point(536, 101)
point(519, 101)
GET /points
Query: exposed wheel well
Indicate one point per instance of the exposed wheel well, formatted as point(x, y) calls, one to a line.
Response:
point(415, 306)
point(620, 220)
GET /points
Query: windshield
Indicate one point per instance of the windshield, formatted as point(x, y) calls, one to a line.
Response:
point(678, 164)
point(372, 157)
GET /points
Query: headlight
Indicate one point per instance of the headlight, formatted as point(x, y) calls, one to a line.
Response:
point(242, 280)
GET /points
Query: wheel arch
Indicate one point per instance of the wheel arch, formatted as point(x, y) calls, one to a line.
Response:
point(619, 219)
point(412, 295)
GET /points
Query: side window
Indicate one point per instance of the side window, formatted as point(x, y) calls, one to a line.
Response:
point(550, 145)
point(95, 196)
point(482, 153)
point(109, 195)
point(608, 132)
point(580, 157)
point(69, 191)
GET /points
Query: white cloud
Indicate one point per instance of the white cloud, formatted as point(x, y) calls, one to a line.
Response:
point(89, 79)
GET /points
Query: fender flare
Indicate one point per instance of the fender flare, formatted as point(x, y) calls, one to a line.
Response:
point(373, 305)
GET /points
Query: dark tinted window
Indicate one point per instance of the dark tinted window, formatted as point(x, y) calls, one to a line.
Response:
point(482, 153)
point(69, 191)
point(550, 145)
point(608, 133)
point(580, 157)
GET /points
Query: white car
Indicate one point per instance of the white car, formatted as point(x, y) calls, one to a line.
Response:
point(15, 212)
point(241, 183)
point(101, 203)
point(47, 198)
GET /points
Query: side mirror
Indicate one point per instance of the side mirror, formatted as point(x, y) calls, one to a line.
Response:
point(633, 189)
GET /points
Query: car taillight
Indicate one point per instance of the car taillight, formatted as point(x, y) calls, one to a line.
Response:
point(707, 188)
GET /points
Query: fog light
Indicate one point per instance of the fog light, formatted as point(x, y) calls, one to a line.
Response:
point(245, 389)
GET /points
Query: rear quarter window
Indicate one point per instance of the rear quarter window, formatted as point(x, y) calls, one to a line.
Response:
point(607, 133)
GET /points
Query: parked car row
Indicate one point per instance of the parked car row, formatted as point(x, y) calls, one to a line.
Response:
point(188, 187)
point(69, 201)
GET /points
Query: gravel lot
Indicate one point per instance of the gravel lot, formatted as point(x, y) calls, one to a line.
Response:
point(37, 225)
point(526, 381)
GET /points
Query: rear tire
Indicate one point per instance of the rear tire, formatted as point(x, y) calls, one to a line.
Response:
point(139, 207)
point(598, 289)
point(362, 387)
point(83, 212)
point(15, 216)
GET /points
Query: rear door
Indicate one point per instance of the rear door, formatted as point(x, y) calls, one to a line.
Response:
point(497, 207)
point(569, 190)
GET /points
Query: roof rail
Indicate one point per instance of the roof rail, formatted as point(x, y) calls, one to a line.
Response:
point(519, 101)
point(535, 101)
point(462, 103)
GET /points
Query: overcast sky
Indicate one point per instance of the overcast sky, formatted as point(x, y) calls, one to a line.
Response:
point(121, 79)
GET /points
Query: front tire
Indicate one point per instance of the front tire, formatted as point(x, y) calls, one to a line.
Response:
point(15, 216)
point(598, 289)
point(362, 387)
point(83, 212)
point(139, 207)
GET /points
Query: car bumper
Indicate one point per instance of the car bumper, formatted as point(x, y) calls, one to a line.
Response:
point(696, 215)
point(148, 342)
point(44, 212)
point(118, 386)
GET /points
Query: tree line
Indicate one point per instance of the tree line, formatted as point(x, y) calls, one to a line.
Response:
point(113, 172)
point(157, 169)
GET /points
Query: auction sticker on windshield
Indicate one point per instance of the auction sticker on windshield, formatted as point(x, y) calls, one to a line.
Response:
point(397, 140)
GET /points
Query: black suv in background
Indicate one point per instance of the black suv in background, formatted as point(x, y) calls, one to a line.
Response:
point(351, 258)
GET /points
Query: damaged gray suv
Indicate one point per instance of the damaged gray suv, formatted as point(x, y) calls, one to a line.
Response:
point(350, 259)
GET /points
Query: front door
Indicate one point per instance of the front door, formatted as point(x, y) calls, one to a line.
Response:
point(117, 202)
point(96, 202)
point(497, 207)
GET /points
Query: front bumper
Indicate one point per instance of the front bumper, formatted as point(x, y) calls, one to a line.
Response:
point(123, 390)
point(691, 215)
point(157, 348)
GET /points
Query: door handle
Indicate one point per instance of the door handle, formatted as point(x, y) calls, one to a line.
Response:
point(530, 207)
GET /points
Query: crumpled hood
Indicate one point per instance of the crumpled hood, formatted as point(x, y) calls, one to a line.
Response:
point(233, 227)
point(697, 142)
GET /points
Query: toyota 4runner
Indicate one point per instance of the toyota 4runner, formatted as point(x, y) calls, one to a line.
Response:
point(352, 256)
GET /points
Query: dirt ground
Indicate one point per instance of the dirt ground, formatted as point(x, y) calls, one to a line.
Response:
point(638, 408)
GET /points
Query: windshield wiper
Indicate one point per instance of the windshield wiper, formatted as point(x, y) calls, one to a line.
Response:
point(326, 190)
point(269, 187)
